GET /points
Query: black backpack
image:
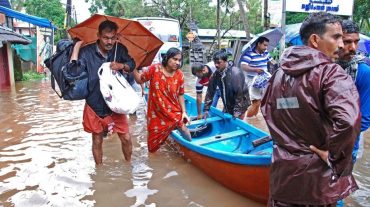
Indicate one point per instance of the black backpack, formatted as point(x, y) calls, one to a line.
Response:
point(72, 79)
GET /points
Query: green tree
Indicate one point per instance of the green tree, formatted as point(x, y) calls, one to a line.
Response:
point(295, 17)
point(255, 16)
point(111, 7)
point(176, 9)
point(205, 17)
point(183, 10)
point(49, 9)
point(17, 4)
point(137, 9)
point(361, 15)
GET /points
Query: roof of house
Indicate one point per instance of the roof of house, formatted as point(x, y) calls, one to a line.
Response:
point(7, 35)
point(38, 21)
point(228, 34)
point(5, 3)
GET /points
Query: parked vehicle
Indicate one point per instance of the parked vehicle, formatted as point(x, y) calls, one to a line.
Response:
point(166, 29)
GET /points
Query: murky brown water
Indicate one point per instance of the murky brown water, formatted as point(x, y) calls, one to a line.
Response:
point(46, 160)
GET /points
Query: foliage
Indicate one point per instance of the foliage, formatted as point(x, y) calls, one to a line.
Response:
point(49, 9)
point(183, 10)
point(361, 15)
point(18, 75)
point(112, 8)
point(31, 75)
point(295, 17)
point(204, 17)
point(17, 4)
point(176, 9)
point(255, 16)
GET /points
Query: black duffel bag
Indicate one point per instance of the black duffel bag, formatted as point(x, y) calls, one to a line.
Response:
point(71, 77)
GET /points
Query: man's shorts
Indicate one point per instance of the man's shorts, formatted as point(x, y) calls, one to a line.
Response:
point(254, 93)
point(92, 123)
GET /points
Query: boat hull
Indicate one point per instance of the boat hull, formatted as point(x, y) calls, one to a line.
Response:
point(231, 151)
point(247, 180)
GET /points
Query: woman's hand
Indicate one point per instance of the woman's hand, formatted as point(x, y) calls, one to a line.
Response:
point(185, 118)
point(205, 115)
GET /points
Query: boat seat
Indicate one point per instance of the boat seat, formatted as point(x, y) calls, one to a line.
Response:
point(209, 120)
point(220, 137)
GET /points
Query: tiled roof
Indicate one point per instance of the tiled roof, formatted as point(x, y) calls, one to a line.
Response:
point(7, 35)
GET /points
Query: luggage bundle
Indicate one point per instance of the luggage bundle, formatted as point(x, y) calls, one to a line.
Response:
point(117, 92)
point(71, 79)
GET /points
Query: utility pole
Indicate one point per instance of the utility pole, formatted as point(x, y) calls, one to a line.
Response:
point(218, 25)
point(266, 22)
point(282, 41)
point(74, 9)
point(69, 13)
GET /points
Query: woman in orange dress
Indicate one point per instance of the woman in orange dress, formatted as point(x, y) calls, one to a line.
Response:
point(166, 105)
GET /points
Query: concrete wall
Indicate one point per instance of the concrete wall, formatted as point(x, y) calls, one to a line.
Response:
point(10, 64)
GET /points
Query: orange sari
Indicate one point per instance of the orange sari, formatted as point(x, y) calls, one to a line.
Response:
point(164, 109)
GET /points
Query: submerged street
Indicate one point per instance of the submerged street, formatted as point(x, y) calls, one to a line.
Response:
point(46, 160)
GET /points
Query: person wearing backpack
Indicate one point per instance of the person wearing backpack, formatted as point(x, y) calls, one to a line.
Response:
point(98, 118)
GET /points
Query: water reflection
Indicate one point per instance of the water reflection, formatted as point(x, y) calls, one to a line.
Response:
point(42, 157)
point(46, 160)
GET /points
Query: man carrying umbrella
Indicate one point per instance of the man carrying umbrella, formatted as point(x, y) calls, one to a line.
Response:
point(97, 117)
point(254, 62)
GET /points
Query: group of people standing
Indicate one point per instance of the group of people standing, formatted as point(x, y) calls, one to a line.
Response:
point(312, 109)
point(315, 105)
point(312, 104)
point(233, 84)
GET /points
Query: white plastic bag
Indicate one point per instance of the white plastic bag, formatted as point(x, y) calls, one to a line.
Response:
point(117, 92)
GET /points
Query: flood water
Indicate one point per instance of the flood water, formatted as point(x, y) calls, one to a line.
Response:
point(46, 160)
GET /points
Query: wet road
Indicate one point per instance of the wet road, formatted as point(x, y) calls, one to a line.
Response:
point(46, 160)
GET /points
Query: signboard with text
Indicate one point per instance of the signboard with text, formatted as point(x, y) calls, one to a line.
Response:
point(338, 7)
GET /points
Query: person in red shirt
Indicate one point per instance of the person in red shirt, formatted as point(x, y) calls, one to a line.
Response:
point(166, 104)
point(203, 74)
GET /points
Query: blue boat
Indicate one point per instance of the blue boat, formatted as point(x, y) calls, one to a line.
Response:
point(231, 151)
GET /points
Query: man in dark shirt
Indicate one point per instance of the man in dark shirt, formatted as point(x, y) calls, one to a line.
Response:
point(230, 81)
point(98, 118)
